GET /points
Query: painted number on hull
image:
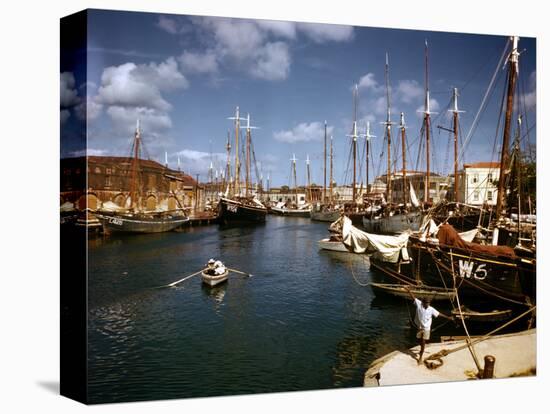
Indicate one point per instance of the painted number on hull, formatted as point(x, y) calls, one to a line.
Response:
point(115, 221)
point(466, 270)
point(232, 208)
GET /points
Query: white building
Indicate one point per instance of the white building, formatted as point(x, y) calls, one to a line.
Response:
point(478, 183)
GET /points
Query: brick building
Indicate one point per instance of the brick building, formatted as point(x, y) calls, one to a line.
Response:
point(107, 179)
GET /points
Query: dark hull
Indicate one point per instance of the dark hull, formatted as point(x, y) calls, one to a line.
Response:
point(393, 224)
point(140, 223)
point(477, 275)
point(231, 211)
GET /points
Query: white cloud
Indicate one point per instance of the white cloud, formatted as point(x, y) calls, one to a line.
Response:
point(198, 162)
point(152, 121)
point(68, 94)
point(199, 62)
point(273, 62)
point(279, 28)
point(168, 24)
point(408, 91)
point(140, 85)
point(368, 82)
point(89, 109)
point(321, 33)
point(304, 132)
point(259, 47)
point(64, 115)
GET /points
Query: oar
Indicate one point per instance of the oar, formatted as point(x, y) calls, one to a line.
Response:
point(238, 271)
point(184, 279)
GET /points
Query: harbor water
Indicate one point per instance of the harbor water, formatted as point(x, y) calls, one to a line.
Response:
point(302, 322)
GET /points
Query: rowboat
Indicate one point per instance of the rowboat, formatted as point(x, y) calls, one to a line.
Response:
point(213, 280)
point(421, 292)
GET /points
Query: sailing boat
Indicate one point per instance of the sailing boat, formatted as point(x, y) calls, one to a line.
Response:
point(498, 271)
point(326, 210)
point(135, 219)
point(394, 218)
point(294, 209)
point(234, 207)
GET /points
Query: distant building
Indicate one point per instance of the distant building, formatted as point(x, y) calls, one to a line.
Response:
point(438, 186)
point(478, 183)
point(88, 182)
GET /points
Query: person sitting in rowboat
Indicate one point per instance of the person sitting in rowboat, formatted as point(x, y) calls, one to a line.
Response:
point(211, 267)
point(219, 268)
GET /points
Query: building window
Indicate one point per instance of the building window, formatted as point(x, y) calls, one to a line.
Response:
point(108, 171)
point(97, 170)
point(475, 178)
point(490, 177)
point(476, 195)
point(108, 181)
point(302, 198)
point(489, 196)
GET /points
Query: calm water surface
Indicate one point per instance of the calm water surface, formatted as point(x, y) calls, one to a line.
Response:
point(300, 323)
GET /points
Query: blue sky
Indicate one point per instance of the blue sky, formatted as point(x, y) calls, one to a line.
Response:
point(184, 75)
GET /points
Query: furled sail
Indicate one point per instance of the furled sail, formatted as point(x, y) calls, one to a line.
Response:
point(414, 200)
point(384, 248)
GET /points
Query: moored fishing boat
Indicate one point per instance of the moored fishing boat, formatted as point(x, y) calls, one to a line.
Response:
point(235, 207)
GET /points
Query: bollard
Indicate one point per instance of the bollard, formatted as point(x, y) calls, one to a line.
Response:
point(489, 368)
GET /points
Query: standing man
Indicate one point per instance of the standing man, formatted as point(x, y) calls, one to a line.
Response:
point(423, 321)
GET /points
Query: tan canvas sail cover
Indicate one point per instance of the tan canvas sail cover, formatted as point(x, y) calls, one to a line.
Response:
point(384, 248)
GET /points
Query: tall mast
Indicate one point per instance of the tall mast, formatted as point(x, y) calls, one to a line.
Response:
point(308, 192)
point(455, 112)
point(135, 167)
point(427, 128)
point(330, 169)
point(293, 159)
point(228, 166)
point(404, 154)
point(388, 125)
point(368, 136)
point(237, 120)
point(325, 166)
point(354, 136)
point(248, 144)
point(513, 62)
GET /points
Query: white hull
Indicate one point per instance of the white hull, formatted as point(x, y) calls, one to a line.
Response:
point(213, 280)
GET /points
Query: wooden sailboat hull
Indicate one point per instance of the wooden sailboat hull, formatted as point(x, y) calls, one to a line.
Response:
point(421, 292)
point(213, 280)
point(233, 211)
point(393, 224)
point(325, 215)
point(139, 223)
point(290, 212)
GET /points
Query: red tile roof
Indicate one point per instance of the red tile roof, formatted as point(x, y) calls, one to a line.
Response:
point(483, 164)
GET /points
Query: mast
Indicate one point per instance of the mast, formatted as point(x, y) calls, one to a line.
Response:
point(388, 125)
point(513, 62)
point(354, 136)
point(248, 145)
point(368, 136)
point(455, 112)
point(404, 153)
point(308, 192)
point(135, 167)
point(517, 156)
point(237, 120)
point(330, 170)
point(325, 165)
point(293, 159)
point(427, 128)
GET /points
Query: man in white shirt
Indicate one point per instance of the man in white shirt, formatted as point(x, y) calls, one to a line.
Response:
point(423, 321)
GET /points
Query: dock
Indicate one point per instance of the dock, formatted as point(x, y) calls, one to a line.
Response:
point(515, 355)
